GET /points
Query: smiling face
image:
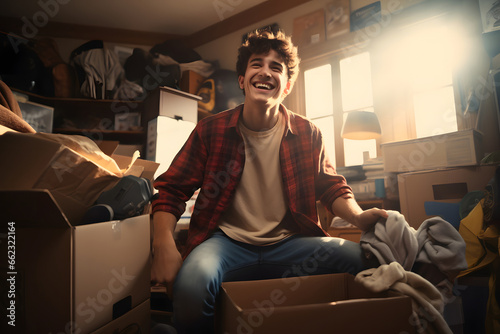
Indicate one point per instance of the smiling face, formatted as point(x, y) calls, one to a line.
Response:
point(265, 80)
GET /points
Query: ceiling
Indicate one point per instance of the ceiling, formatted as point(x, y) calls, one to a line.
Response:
point(138, 22)
point(175, 17)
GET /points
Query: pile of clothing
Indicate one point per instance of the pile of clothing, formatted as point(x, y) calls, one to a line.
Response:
point(422, 264)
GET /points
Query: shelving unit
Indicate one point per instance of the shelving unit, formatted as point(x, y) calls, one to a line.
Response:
point(95, 118)
point(88, 116)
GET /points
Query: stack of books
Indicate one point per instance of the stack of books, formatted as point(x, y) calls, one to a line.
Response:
point(370, 181)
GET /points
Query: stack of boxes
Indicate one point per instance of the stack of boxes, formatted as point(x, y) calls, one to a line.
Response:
point(66, 277)
point(176, 116)
point(436, 171)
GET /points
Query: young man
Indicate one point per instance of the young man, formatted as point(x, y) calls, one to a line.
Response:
point(260, 169)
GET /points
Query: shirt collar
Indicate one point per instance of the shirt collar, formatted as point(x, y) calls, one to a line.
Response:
point(290, 125)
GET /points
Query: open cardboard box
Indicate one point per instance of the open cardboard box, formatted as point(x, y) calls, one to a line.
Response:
point(30, 161)
point(310, 304)
point(66, 277)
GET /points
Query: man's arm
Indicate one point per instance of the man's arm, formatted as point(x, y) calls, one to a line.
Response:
point(166, 258)
point(348, 209)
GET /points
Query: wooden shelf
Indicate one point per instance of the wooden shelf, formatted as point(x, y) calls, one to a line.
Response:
point(91, 117)
point(95, 119)
point(124, 137)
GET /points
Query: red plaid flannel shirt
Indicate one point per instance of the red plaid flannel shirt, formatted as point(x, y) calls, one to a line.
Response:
point(212, 160)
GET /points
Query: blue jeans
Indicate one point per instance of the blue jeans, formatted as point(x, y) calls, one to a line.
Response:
point(220, 259)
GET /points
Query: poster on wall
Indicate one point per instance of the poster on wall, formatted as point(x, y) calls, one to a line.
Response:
point(490, 14)
point(366, 16)
point(309, 29)
point(337, 18)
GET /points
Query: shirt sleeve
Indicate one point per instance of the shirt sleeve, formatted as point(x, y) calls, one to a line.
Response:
point(184, 176)
point(329, 184)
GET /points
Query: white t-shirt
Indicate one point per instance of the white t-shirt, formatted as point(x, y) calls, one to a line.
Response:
point(258, 208)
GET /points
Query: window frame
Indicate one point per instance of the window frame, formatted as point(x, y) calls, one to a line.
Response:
point(397, 117)
point(333, 59)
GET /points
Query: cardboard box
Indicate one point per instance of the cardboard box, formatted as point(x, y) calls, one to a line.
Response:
point(137, 320)
point(456, 149)
point(67, 278)
point(30, 161)
point(442, 186)
point(166, 136)
point(191, 81)
point(173, 103)
point(311, 304)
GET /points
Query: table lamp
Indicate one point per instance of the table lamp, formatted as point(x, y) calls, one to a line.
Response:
point(361, 125)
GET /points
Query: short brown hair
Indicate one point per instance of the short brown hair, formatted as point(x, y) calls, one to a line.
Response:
point(263, 41)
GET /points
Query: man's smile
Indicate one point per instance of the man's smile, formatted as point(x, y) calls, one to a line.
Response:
point(263, 85)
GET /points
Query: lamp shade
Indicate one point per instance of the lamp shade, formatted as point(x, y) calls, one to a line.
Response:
point(361, 125)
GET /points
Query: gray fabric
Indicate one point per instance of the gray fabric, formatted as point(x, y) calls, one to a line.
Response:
point(427, 302)
point(390, 240)
point(439, 243)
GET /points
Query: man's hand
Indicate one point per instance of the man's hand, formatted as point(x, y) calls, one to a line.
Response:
point(366, 219)
point(166, 264)
point(166, 258)
point(348, 209)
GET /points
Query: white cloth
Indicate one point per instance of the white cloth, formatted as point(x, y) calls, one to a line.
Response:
point(102, 69)
point(201, 67)
point(128, 90)
point(390, 240)
point(439, 243)
point(427, 302)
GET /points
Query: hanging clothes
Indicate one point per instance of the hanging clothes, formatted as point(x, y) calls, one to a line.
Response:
point(99, 70)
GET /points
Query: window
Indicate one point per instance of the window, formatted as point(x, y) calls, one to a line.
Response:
point(414, 76)
point(319, 104)
point(355, 94)
point(426, 55)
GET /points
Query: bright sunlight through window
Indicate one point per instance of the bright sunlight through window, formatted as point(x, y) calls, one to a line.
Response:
point(357, 94)
point(319, 104)
point(356, 82)
point(426, 55)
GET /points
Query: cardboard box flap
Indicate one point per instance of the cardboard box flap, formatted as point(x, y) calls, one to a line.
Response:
point(108, 147)
point(85, 147)
point(32, 208)
point(137, 167)
point(12, 145)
